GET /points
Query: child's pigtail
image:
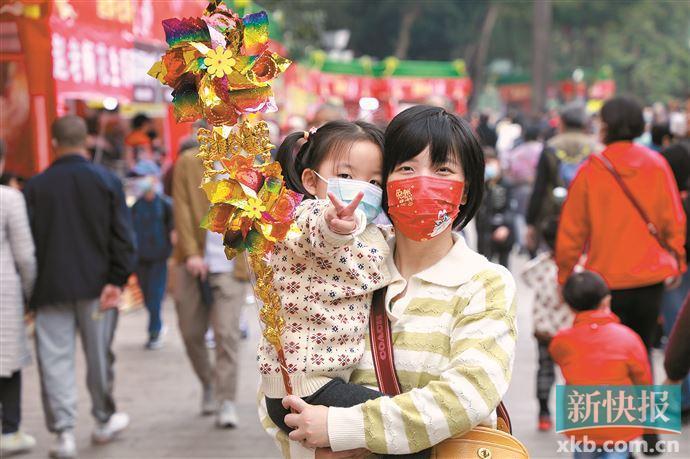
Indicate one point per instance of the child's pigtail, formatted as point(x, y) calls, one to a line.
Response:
point(289, 156)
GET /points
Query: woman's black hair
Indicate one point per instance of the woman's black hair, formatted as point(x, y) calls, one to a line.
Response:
point(449, 138)
point(623, 118)
point(334, 136)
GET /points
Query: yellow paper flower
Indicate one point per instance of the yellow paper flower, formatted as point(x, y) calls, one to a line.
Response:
point(219, 62)
point(254, 208)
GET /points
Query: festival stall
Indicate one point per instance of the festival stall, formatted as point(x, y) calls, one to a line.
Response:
point(66, 56)
point(389, 84)
point(516, 89)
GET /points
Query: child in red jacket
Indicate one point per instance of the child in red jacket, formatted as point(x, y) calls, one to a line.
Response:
point(598, 350)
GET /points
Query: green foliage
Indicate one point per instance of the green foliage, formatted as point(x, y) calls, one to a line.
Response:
point(302, 22)
point(646, 42)
point(651, 58)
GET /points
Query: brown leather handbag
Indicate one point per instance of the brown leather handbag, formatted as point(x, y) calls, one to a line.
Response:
point(480, 442)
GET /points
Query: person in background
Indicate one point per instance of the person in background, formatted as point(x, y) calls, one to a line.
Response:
point(17, 277)
point(520, 170)
point(146, 164)
point(678, 157)
point(138, 138)
point(153, 224)
point(550, 315)
point(599, 350)
point(613, 226)
point(678, 120)
point(486, 133)
point(556, 168)
point(495, 219)
point(141, 124)
point(11, 180)
point(636, 265)
point(661, 136)
point(508, 132)
point(188, 144)
point(677, 359)
point(329, 111)
point(207, 293)
point(85, 251)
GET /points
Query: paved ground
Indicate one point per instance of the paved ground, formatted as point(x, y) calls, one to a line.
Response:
point(161, 394)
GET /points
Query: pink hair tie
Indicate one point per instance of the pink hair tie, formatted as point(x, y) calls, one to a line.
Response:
point(308, 133)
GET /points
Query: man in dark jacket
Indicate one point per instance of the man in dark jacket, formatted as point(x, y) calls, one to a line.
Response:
point(85, 252)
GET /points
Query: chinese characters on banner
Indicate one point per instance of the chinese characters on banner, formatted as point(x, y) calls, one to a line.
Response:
point(94, 43)
point(91, 46)
point(83, 65)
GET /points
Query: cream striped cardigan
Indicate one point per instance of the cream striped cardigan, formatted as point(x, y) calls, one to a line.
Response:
point(454, 335)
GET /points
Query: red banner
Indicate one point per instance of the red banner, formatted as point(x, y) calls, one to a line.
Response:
point(93, 43)
point(91, 49)
point(350, 88)
point(150, 13)
point(27, 92)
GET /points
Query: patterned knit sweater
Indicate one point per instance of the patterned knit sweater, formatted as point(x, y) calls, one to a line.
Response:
point(325, 281)
point(454, 334)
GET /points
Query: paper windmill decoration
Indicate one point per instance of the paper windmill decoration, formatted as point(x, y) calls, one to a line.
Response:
point(249, 202)
point(219, 65)
point(220, 69)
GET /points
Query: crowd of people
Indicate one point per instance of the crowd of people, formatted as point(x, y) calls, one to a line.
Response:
point(615, 204)
point(596, 202)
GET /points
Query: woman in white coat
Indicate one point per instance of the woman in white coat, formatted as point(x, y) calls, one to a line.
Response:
point(17, 276)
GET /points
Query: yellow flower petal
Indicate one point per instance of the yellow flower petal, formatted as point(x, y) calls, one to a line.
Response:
point(219, 62)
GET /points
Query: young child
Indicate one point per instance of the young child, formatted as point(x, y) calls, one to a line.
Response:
point(599, 350)
point(550, 315)
point(495, 220)
point(327, 275)
point(153, 225)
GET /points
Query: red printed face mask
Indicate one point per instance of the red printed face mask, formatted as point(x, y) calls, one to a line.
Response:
point(423, 207)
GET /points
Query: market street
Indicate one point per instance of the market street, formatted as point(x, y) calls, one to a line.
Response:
point(161, 394)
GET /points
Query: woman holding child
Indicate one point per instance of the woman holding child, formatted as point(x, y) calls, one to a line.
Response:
point(451, 312)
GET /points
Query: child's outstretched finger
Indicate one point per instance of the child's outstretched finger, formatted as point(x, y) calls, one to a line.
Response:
point(350, 209)
point(337, 203)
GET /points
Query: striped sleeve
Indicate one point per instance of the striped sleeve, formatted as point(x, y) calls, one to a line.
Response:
point(480, 364)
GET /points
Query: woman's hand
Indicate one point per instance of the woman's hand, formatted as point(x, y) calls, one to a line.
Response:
point(341, 218)
point(309, 421)
point(501, 234)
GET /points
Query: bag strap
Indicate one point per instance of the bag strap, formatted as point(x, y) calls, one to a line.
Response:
point(382, 345)
point(651, 227)
point(382, 355)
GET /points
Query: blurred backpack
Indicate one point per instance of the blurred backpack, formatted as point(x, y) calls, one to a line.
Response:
point(568, 166)
point(564, 153)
